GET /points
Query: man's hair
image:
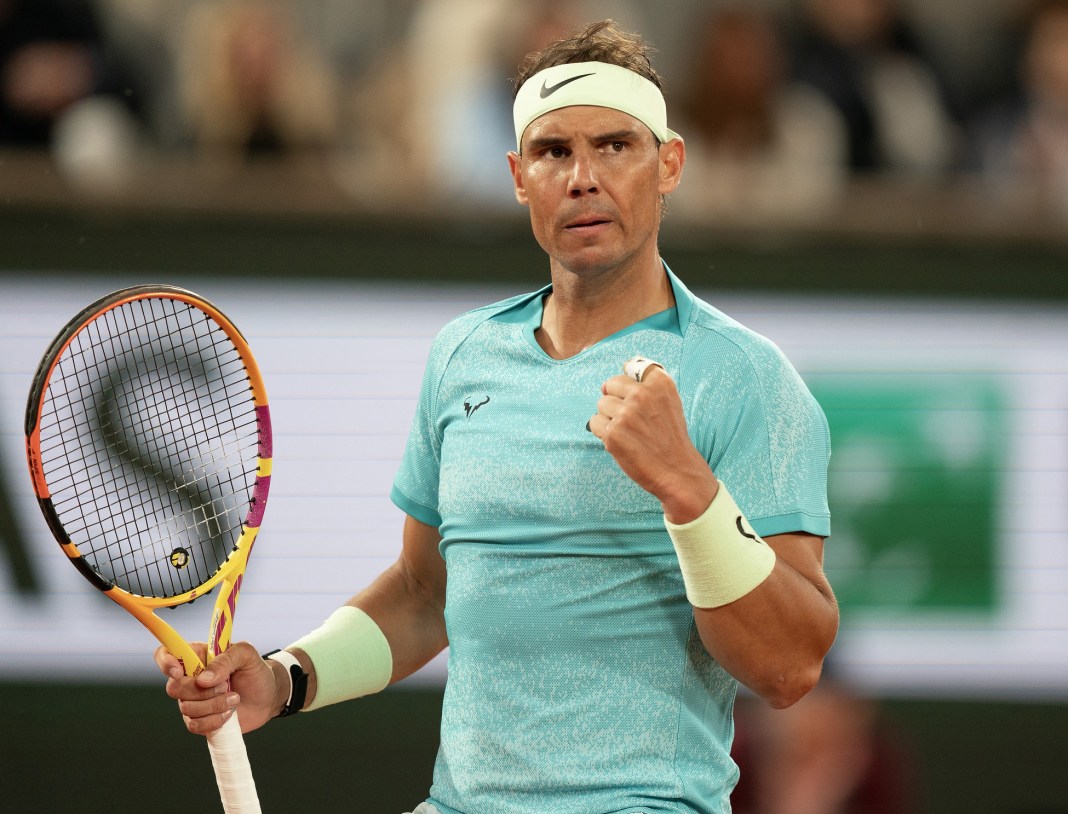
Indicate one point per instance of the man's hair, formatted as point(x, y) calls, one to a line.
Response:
point(603, 41)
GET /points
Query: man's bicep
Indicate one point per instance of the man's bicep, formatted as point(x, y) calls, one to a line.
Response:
point(422, 562)
point(804, 554)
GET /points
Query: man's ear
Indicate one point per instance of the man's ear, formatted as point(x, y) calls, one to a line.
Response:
point(672, 160)
point(515, 164)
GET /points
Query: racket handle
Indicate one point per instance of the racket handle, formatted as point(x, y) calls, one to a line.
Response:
point(232, 771)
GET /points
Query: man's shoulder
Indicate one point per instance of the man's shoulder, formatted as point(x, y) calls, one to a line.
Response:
point(462, 325)
point(457, 331)
point(704, 323)
point(711, 328)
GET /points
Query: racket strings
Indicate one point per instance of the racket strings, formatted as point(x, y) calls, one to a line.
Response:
point(149, 439)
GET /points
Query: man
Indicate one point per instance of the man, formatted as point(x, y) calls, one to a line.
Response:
point(604, 593)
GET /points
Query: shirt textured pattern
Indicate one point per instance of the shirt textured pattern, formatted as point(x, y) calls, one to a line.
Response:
point(577, 682)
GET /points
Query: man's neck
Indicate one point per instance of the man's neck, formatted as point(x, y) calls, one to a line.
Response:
point(579, 312)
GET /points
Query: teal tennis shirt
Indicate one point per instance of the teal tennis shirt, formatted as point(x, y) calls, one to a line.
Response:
point(576, 680)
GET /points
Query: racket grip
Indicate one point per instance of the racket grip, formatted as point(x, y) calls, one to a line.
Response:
point(232, 771)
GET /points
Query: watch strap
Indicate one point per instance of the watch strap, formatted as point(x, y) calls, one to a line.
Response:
point(298, 681)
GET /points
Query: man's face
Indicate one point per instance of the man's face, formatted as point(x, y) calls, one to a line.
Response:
point(593, 178)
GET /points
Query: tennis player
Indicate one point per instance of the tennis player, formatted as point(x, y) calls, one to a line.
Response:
point(615, 499)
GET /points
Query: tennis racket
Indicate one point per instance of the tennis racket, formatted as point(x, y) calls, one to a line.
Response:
point(149, 445)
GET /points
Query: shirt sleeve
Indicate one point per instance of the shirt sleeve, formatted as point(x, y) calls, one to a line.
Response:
point(765, 435)
point(415, 487)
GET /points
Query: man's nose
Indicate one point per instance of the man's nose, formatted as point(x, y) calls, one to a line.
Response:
point(583, 179)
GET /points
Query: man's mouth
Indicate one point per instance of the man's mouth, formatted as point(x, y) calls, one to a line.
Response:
point(586, 223)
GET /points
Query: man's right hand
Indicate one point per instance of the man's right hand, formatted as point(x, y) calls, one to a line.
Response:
point(238, 679)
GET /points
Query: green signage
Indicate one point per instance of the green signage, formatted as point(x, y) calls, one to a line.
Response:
point(914, 486)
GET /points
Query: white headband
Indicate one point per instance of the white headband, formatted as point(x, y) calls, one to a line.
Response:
point(598, 84)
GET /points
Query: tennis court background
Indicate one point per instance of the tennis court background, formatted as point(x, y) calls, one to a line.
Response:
point(925, 388)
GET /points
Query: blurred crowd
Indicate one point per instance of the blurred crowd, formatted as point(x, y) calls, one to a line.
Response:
point(781, 102)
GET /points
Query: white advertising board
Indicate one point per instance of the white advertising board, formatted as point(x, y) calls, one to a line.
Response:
point(947, 487)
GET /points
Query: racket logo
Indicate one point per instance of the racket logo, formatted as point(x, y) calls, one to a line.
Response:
point(180, 558)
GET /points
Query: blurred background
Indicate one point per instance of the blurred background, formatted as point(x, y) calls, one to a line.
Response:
point(879, 186)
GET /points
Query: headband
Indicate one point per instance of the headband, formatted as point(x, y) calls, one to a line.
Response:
point(598, 84)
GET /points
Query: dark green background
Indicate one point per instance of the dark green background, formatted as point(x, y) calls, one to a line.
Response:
point(106, 748)
point(496, 249)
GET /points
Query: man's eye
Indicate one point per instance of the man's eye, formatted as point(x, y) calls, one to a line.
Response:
point(618, 146)
point(557, 151)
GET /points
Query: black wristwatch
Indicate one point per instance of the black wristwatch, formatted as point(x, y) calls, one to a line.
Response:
point(298, 681)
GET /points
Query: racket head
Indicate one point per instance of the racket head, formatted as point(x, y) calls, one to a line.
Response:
point(149, 443)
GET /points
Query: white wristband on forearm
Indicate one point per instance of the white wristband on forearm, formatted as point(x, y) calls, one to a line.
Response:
point(351, 657)
point(721, 557)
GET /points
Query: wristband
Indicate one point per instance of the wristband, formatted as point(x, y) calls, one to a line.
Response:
point(721, 557)
point(298, 681)
point(350, 654)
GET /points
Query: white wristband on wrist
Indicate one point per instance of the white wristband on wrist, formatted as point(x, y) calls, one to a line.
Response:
point(351, 657)
point(721, 557)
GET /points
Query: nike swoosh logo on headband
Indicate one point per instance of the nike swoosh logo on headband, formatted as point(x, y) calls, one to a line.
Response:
point(549, 90)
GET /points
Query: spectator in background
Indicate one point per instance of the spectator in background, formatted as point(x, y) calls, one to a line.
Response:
point(251, 83)
point(759, 146)
point(833, 752)
point(65, 89)
point(865, 57)
point(460, 121)
point(1020, 144)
